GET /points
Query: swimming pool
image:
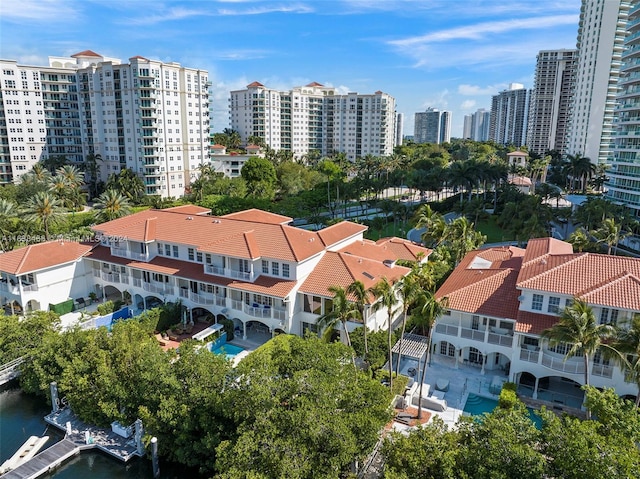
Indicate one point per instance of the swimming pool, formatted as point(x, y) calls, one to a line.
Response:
point(478, 405)
point(229, 350)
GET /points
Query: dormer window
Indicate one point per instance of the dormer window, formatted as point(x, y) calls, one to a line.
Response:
point(608, 316)
point(536, 302)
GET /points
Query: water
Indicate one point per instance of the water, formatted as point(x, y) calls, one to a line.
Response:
point(230, 350)
point(21, 416)
point(478, 405)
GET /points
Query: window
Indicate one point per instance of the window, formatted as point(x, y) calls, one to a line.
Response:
point(285, 270)
point(312, 304)
point(563, 348)
point(275, 268)
point(167, 250)
point(190, 253)
point(160, 248)
point(207, 258)
point(265, 266)
point(447, 349)
point(244, 266)
point(199, 257)
point(608, 316)
point(536, 303)
point(554, 304)
point(175, 252)
point(475, 322)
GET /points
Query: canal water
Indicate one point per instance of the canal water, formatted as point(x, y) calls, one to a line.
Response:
point(21, 416)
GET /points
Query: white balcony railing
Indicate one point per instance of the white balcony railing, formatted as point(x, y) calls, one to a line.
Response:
point(280, 314)
point(501, 339)
point(258, 311)
point(125, 253)
point(29, 288)
point(184, 293)
point(602, 370)
point(212, 269)
point(96, 273)
point(571, 366)
point(137, 282)
point(156, 288)
point(9, 288)
point(201, 298)
point(221, 301)
point(240, 275)
point(448, 329)
point(472, 334)
point(529, 356)
point(236, 304)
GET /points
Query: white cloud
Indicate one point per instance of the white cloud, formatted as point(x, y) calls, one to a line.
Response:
point(294, 8)
point(474, 90)
point(440, 100)
point(247, 54)
point(481, 30)
point(176, 13)
point(25, 11)
point(468, 105)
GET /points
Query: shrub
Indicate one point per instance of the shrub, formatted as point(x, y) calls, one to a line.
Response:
point(508, 399)
point(228, 328)
point(105, 308)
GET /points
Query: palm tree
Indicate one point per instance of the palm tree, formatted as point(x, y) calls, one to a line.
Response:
point(462, 237)
point(429, 310)
point(626, 348)
point(358, 291)
point(434, 224)
point(578, 328)
point(8, 212)
point(408, 291)
point(44, 209)
point(384, 291)
point(579, 239)
point(92, 168)
point(580, 168)
point(342, 311)
point(610, 233)
point(71, 174)
point(111, 205)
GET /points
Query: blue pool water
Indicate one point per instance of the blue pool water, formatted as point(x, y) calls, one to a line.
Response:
point(229, 350)
point(478, 405)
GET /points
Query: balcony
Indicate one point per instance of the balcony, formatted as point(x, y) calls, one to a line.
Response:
point(529, 356)
point(602, 370)
point(500, 339)
point(570, 366)
point(211, 269)
point(9, 288)
point(258, 311)
point(125, 253)
point(474, 334)
point(447, 329)
point(156, 288)
point(232, 273)
point(201, 298)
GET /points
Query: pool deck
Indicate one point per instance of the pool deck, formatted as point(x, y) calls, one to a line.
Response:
point(462, 380)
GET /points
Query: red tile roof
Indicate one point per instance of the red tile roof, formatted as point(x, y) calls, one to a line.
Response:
point(255, 84)
point(386, 249)
point(86, 53)
point(341, 269)
point(259, 216)
point(339, 232)
point(315, 83)
point(42, 255)
point(189, 210)
point(138, 57)
point(547, 266)
point(517, 153)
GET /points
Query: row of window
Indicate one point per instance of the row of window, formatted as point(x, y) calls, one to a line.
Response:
point(607, 315)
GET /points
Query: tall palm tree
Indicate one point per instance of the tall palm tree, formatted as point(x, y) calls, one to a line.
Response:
point(579, 239)
point(342, 311)
point(626, 349)
point(578, 328)
point(43, 208)
point(92, 169)
point(72, 175)
point(408, 290)
point(385, 293)
point(427, 313)
point(8, 212)
point(580, 168)
point(610, 233)
point(462, 237)
point(112, 205)
point(434, 224)
point(359, 292)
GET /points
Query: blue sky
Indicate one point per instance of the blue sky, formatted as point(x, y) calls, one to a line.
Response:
point(447, 54)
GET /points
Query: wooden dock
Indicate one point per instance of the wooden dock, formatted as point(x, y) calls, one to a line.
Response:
point(101, 439)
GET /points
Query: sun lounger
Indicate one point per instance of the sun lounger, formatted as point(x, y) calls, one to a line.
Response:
point(442, 384)
point(431, 402)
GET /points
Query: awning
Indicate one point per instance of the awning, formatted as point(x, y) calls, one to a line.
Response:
point(207, 332)
point(413, 346)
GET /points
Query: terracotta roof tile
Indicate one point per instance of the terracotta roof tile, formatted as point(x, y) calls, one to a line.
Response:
point(255, 84)
point(189, 210)
point(85, 53)
point(340, 269)
point(259, 216)
point(138, 57)
point(534, 323)
point(517, 153)
point(404, 249)
point(340, 231)
point(538, 247)
point(387, 249)
point(621, 292)
point(42, 255)
point(315, 83)
point(150, 229)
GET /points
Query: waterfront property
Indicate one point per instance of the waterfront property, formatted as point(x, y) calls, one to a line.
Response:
point(501, 299)
point(250, 267)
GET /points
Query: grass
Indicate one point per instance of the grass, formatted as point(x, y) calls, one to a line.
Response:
point(400, 230)
point(492, 231)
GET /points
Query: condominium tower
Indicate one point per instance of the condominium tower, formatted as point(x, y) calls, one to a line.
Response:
point(509, 112)
point(432, 126)
point(315, 118)
point(624, 174)
point(146, 115)
point(601, 35)
point(550, 104)
point(476, 125)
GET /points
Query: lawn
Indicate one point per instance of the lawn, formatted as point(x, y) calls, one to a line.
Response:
point(492, 231)
point(398, 229)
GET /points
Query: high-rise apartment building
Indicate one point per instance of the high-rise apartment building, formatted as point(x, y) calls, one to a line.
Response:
point(624, 174)
point(146, 115)
point(432, 126)
point(399, 129)
point(601, 35)
point(509, 114)
point(476, 125)
point(550, 103)
point(315, 118)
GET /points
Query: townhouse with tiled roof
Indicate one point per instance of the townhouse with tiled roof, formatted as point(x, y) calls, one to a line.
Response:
point(501, 299)
point(250, 266)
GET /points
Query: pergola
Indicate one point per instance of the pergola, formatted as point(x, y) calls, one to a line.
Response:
point(412, 346)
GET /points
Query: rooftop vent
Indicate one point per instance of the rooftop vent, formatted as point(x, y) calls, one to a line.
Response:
point(189, 218)
point(216, 221)
point(368, 275)
point(389, 263)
